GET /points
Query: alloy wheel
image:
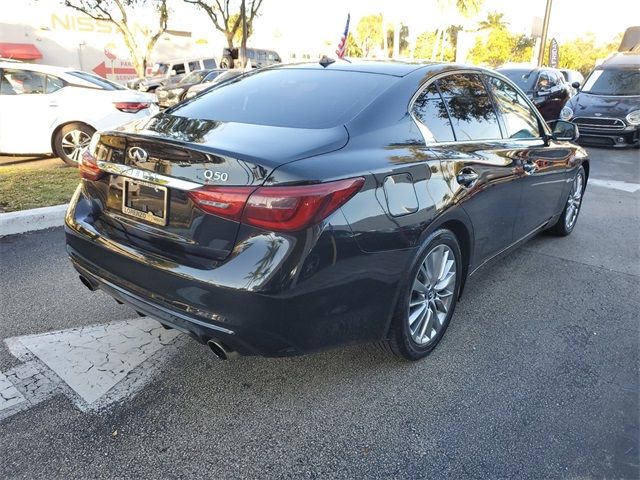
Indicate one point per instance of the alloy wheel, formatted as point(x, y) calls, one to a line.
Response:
point(432, 294)
point(74, 144)
point(574, 201)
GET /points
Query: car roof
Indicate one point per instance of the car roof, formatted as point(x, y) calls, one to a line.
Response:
point(390, 67)
point(622, 60)
point(187, 59)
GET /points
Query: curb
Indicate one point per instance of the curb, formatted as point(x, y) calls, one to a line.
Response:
point(12, 223)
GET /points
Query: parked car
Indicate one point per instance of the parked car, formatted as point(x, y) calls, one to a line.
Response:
point(545, 87)
point(257, 56)
point(572, 76)
point(49, 109)
point(214, 78)
point(164, 73)
point(174, 93)
point(607, 108)
point(305, 206)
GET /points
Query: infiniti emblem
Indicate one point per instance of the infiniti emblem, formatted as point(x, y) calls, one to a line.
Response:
point(598, 114)
point(138, 154)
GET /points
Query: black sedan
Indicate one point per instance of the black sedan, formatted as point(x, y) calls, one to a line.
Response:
point(301, 207)
point(172, 93)
point(545, 87)
point(607, 109)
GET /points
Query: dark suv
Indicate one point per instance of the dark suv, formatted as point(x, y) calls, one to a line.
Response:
point(546, 87)
point(607, 108)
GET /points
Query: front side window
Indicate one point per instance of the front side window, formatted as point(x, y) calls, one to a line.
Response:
point(469, 107)
point(22, 82)
point(518, 117)
point(429, 110)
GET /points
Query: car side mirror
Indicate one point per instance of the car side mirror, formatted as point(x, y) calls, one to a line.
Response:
point(576, 85)
point(543, 92)
point(564, 131)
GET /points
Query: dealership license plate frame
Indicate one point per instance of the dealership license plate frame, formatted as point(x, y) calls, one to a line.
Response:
point(147, 216)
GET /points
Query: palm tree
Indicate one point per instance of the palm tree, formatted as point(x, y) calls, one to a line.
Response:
point(466, 8)
point(494, 21)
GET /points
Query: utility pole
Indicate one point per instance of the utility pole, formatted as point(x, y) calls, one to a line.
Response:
point(243, 47)
point(545, 28)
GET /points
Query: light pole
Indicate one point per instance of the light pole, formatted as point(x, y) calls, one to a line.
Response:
point(545, 28)
point(243, 45)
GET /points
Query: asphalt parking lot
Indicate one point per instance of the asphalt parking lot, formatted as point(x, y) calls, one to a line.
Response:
point(536, 377)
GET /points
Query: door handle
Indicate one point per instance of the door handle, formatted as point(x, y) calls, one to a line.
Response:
point(467, 177)
point(53, 104)
point(529, 168)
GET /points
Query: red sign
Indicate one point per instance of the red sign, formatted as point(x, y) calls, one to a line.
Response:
point(103, 70)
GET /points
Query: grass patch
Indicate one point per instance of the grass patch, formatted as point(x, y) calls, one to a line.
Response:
point(22, 188)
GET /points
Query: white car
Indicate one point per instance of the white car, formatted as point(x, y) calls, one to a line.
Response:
point(45, 109)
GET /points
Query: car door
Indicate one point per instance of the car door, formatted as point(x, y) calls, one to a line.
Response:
point(27, 96)
point(541, 163)
point(482, 176)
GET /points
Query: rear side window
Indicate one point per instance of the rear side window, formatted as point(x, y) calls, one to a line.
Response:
point(209, 63)
point(195, 65)
point(179, 69)
point(53, 84)
point(470, 109)
point(518, 117)
point(305, 98)
point(429, 109)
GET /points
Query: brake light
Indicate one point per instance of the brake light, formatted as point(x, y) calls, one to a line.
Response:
point(279, 209)
point(131, 107)
point(226, 202)
point(88, 167)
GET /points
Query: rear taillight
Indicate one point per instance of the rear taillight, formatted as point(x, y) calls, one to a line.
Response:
point(278, 209)
point(226, 202)
point(131, 107)
point(89, 167)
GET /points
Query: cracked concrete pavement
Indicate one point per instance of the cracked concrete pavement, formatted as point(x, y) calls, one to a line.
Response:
point(537, 376)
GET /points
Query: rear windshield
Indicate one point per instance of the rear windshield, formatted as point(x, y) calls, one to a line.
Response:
point(103, 83)
point(289, 98)
point(525, 79)
point(613, 82)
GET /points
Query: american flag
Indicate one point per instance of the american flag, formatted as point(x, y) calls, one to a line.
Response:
point(342, 46)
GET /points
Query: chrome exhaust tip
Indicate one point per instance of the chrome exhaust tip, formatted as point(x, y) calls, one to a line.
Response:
point(221, 351)
point(87, 283)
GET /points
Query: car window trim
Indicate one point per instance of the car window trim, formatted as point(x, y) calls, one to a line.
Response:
point(422, 127)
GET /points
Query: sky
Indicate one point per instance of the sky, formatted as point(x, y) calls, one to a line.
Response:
point(307, 24)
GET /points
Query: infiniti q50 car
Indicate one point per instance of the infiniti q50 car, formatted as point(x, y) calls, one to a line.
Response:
point(302, 207)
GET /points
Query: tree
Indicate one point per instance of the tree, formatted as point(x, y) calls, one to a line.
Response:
point(466, 8)
point(226, 21)
point(369, 34)
point(582, 53)
point(403, 36)
point(501, 46)
point(353, 49)
point(118, 13)
point(494, 20)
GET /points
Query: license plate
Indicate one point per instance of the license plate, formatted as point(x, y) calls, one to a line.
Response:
point(145, 201)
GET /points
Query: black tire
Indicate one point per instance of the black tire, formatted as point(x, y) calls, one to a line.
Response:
point(563, 227)
point(400, 340)
point(226, 62)
point(62, 148)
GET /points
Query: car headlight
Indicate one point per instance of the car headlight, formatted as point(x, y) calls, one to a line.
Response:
point(634, 117)
point(176, 91)
point(566, 113)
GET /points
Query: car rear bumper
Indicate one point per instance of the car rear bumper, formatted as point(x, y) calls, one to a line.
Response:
point(339, 295)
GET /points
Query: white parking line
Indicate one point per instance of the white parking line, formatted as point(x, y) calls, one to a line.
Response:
point(95, 365)
point(615, 184)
